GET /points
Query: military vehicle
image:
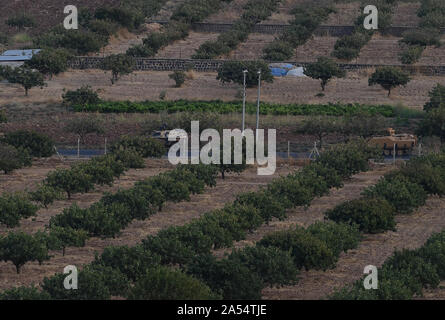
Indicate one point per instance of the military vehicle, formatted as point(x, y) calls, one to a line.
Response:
point(402, 144)
point(163, 135)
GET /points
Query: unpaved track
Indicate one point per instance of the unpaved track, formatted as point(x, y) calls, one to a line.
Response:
point(172, 215)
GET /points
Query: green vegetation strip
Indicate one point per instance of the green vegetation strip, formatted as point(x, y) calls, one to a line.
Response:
point(235, 106)
point(432, 19)
point(348, 47)
point(404, 275)
point(80, 178)
point(255, 11)
point(307, 19)
point(181, 22)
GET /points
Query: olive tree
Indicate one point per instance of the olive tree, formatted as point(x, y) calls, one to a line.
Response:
point(389, 78)
point(119, 65)
point(324, 69)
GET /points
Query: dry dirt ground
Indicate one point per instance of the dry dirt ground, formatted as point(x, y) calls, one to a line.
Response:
point(148, 86)
point(172, 214)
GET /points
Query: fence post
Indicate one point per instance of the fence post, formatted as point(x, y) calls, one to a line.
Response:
point(394, 154)
point(78, 148)
point(105, 152)
point(288, 150)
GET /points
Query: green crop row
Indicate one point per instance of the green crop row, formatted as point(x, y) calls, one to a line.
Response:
point(235, 107)
point(307, 19)
point(255, 11)
point(432, 19)
point(348, 47)
point(189, 12)
point(244, 273)
point(404, 275)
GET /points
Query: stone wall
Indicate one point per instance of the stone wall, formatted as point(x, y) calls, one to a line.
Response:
point(147, 64)
point(324, 30)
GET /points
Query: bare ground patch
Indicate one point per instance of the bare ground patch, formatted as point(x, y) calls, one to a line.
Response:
point(141, 86)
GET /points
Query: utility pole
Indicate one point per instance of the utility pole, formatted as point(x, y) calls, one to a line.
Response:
point(244, 101)
point(258, 102)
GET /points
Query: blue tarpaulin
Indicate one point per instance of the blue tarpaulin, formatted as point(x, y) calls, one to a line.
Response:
point(280, 69)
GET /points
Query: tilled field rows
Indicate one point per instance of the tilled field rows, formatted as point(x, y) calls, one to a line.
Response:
point(172, 214)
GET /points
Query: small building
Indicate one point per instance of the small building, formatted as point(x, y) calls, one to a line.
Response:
point(16, 58)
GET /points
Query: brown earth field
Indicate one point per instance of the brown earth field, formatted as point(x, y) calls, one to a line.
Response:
point(141, 86)
point(172, 215)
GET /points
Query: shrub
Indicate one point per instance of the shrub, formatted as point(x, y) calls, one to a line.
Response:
point(45, 195)
point(80, 97)
point(147, 147)
point(437, 98)
point(24, 293)
point(4, 38)
point(290, 192)
point(171, 189)
point(268, 206)
point(307, 250)
point(339, 237)
point(278, 51)
point(130, 158)
point(163, 283)
point(421, 37)
point(371, 215)
point(230, 279)
point(83, 126)
point(19, 248)
point(348, 159)
point(414, 272)
point(203, 172)
point(97, 220)
point(431, 178)
point(194, 185)
point(21, 21)
point(126, 17)
point(403, 195)
point(227, 225)
point(133, 262)
point(348, 47)
point(99, 173)
point(138, 202)
point(103, 28)
point(3, 118)
point(94, 283)
point(232, 71)
point(62, 237)
point(273, 266)
point(119, 65)
point(178, 77)
point(50, 61)
point(179, 245)
point(411, 54)
point(434, 252)
point(12, 158)
point(70, 181)
point(14, 207)
point(330, 176)
point(38, 145)
point(140, 51)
